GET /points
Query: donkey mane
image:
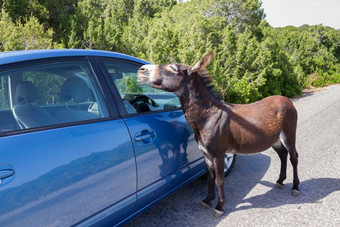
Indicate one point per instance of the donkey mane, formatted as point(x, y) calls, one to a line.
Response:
point(208, 82)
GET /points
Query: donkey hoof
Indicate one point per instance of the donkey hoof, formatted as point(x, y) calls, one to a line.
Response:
point(295, 192)
point(205, 205)
point(218, 213)
point(278, 185)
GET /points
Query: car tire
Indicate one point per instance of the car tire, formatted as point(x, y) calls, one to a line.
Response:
point(229, 162)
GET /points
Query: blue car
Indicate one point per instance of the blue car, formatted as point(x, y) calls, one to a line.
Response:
point(82, 143)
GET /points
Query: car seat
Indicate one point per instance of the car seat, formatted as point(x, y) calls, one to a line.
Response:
point(25, 112)
point(74, 88)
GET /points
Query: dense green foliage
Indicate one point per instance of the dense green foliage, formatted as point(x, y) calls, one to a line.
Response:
point(252, 60)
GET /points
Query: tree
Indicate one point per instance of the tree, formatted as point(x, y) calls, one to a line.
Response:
point(240, 14)
point(312, 51)
point(23, 36)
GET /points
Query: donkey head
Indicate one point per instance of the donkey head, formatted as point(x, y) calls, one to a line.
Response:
point(170, 77)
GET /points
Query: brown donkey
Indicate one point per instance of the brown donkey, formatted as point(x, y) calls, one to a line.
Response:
point(225, 127)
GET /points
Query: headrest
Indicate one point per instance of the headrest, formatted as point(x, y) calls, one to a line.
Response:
point(26, 92)
point(74, 88)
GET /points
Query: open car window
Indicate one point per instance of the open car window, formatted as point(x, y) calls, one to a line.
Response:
point(49, 94)
point(138, 98)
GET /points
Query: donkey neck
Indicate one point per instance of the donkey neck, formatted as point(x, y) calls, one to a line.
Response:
point(198, 103)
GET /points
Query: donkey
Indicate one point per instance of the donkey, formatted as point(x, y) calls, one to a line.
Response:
point(221, 127)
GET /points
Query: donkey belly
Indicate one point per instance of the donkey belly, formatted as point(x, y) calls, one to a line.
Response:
point(252, 148)
point(248, 141)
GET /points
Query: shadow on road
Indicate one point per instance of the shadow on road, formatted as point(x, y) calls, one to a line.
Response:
point(182, 208)
point(248, 172)
point(246, 177)
point(311, 192)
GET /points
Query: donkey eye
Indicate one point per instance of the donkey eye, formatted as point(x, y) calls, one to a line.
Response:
point(173, 68)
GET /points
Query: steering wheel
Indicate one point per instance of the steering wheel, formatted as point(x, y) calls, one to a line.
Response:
point(145, 99)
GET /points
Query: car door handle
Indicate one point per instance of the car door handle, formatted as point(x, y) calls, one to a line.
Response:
point(5, 173)
point(145, 136)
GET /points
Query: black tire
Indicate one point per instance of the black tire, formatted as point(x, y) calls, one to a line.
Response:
point(229, 162)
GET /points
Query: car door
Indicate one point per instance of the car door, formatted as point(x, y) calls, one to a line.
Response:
point(65, 155)
point(166, 152)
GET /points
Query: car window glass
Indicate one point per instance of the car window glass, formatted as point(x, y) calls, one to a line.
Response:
point(49, 94)
point(138, 98)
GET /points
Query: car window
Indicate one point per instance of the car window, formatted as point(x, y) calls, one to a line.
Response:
point(49, 94)
point(138, 98)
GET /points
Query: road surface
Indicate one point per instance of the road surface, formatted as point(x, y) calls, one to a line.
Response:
point(251, 198)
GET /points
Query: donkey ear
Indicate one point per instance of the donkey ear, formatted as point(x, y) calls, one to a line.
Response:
point(202, 63)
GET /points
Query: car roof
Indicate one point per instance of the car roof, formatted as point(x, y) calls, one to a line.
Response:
point(19, 56)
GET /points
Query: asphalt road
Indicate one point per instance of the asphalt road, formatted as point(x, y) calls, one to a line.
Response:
point(251, 198)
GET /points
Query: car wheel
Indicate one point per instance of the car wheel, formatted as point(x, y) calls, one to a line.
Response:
point(229, 162)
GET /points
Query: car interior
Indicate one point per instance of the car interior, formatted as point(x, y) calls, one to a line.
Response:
point(48, 94)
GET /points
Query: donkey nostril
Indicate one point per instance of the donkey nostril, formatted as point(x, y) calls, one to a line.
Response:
point(142, 69)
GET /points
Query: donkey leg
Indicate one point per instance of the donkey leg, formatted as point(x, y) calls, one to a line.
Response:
point(294, 160)
point(288, 139)
point(290, 146)
point(206, 203)
point(219, 172)
point(283, 153)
